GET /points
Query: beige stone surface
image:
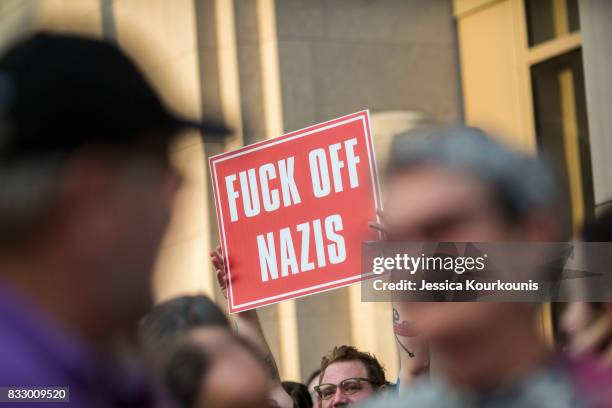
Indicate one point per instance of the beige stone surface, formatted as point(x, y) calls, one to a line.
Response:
point(82, 17)
point(182, 270)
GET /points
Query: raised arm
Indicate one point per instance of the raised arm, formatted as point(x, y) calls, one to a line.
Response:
point(413, 351)
point(247, 325)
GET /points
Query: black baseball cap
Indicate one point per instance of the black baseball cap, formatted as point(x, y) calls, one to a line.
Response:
point(59, 92)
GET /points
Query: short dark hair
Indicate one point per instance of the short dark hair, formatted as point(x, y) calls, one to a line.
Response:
point(376, 372)
point(600, 229)
point(171, 318)
point(183, 372)
point(298, 393)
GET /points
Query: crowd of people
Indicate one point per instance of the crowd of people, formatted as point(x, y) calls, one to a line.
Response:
point(86, 190)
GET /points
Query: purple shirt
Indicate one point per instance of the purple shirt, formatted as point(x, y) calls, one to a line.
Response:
point(594, 380)
point(36, 351)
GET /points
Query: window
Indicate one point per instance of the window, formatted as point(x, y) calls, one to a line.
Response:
point(561, 128)
point(559, 104)
point(549, 19)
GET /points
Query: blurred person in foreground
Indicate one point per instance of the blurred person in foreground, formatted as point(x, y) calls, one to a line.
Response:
point(588, 325)
point(86, 189)
point(202, 363)
point(458, 185)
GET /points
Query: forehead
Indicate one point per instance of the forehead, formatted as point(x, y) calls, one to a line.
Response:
point(425, 191)
point(340, 371)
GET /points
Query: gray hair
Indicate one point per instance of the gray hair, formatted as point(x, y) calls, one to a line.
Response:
point(522, 182)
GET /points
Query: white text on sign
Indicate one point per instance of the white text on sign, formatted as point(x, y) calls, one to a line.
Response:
point(335, 252)
point(257, 185)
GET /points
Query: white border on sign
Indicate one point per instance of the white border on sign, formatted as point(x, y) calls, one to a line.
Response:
point(364, 116)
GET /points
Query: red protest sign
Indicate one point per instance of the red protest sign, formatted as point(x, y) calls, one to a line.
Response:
point(294, 210)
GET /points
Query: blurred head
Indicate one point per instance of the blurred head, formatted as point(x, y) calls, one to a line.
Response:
point(578, 318)
point(210, 367)
point(311, 382)
point(299, 394)
point(459, 185)
point(172, 319)
point(213, 368)
point(600, 230)
point(87, 185)
point(349, 376)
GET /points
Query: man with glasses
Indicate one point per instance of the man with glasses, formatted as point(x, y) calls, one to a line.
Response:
point(349, 376)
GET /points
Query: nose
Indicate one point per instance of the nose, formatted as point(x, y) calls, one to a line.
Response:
point(339, 399)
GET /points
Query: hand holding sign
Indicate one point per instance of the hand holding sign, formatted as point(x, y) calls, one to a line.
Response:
point(216, 257)
point(293, 211)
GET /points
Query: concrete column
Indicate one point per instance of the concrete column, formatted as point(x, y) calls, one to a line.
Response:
point(16, 16)
point(170, 59)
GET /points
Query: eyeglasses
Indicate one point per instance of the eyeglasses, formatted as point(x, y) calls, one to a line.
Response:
point(349, 386)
